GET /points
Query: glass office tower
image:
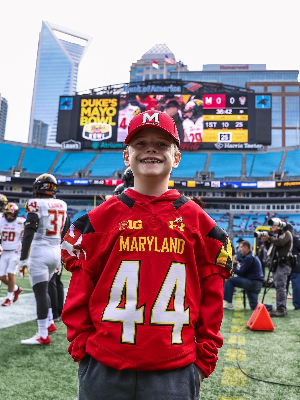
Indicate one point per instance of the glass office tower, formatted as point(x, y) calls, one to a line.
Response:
point(3, 116)
point(60, 51)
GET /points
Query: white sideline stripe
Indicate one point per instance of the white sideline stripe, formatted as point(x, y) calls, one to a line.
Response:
point(23, 310)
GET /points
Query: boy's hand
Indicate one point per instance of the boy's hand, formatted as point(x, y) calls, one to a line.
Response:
point(201, 374)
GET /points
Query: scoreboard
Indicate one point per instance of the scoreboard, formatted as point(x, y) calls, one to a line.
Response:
point(228, 120)
point(225, 118)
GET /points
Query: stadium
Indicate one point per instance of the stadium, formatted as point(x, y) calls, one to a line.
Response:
point(242, 186)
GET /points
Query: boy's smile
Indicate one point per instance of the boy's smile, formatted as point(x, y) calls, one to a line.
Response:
point(151, 152)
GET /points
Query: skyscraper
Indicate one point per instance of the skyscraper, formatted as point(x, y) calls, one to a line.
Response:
point(3, 115)
point(60, 51)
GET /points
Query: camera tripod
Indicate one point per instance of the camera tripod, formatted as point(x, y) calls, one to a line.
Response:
point(269, 282)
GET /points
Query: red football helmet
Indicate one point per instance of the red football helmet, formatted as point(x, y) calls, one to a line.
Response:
point(11, 212)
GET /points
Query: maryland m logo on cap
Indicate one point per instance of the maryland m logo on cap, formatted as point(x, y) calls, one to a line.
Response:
point(152, 119)
point(149, 118)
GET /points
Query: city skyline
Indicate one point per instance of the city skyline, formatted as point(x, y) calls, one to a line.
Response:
point(216, 33)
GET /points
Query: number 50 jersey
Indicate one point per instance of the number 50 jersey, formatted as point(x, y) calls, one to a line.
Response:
point(52, 215)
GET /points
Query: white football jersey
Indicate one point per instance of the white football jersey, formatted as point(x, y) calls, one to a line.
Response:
point(52, 216)
point(193, 131)
point(125, 116)
point(11, 233)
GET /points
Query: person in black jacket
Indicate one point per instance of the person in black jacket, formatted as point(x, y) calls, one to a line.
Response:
point(171, 109)
point(249, 277)
point(279, 247)
point(295, 274)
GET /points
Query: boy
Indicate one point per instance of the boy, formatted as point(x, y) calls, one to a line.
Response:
point(144, 305)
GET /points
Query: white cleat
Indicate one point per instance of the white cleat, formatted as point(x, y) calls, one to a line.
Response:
point(37, 339)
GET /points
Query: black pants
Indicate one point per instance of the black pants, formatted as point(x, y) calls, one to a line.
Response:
point(99, 382)
point(56, 293)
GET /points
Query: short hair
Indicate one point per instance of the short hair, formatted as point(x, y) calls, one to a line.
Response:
point(246, 243)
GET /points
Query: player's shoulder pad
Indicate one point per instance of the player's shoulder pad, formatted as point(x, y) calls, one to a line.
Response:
point(83, 224)
point(32, 221)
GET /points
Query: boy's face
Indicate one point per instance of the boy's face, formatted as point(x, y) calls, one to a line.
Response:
point(150, 153)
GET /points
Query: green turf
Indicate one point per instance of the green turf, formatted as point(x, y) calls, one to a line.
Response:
point(49, 373)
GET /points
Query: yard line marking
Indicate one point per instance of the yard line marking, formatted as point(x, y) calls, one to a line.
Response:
point(237, 328)
point(233, 377)
point(234, 339)
point(231, 355)
point(238, 320)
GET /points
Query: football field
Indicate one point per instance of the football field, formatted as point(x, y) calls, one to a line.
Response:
point(49, 373)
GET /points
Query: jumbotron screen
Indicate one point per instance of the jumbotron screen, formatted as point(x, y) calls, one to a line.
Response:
point(219, 120)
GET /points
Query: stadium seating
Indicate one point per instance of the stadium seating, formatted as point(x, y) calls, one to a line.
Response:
point(226, 165)
point(106, 164)
point(9, 156)
point(292, 163)
point(69, 163)
point(37, 161)
point(240, 222)
point(263, 164)
point(221, 219)
point(189, 165)
point(255, 220)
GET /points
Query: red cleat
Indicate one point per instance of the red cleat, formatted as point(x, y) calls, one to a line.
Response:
point(52, 329)
point(6, 303)
point(17, 292)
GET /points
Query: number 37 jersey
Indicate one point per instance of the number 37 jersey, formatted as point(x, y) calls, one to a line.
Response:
point(52, 215)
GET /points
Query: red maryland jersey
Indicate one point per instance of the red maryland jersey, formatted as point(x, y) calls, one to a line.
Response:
point(146, 291)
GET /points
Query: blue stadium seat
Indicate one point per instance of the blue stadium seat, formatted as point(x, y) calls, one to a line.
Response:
point(226, 165)
point(291, 163)
point(255, 220)
point(249, 163)
point(221, 219)
point(69, 163)
point(10, 155)
point(240, 222)
point(37, 161)
point(189, 165)
point(106, 164)
point(266, 163)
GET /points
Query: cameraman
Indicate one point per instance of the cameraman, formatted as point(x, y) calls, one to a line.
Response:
point(279, 247)
point(250, 277)
point(295, 274)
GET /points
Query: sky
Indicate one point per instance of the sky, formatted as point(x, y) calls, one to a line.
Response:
point(197, 32)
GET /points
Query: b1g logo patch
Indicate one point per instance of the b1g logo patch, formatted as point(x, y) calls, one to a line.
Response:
point(130, 224)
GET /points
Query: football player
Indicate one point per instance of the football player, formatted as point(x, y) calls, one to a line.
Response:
point(45, 221)
point(126, 113)
point(11, 230)
point(193, 123)
point(3, 202)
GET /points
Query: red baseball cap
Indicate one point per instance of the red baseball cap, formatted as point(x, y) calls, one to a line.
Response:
point(152, 119)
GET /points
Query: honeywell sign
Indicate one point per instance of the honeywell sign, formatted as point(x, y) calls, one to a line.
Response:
point(234, 67)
